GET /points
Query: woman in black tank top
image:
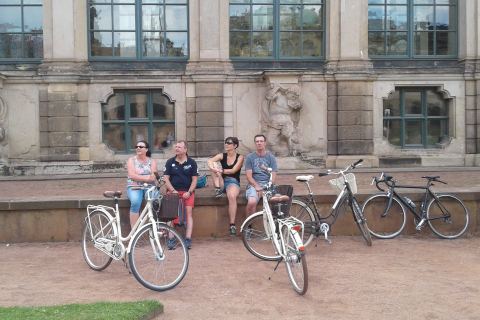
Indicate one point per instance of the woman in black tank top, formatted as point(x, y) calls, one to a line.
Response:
point(225, 168)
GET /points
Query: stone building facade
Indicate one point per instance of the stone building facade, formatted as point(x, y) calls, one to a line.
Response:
point(66, 101)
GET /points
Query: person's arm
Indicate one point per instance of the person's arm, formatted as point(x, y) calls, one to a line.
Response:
point(170, 188)
point(132, 173)
point(211, 162)
point(193, 185)
point(236, 168)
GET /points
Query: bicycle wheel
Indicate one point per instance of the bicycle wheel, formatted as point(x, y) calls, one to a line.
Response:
point(103, 235)
point(257, 241)
point(361, 222)
point(301, 211)
point(447, 216)
point(296, 263)
point(153, 269)
point(384, 226)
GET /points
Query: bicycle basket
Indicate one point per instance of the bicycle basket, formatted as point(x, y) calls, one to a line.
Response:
point(338, 183)
point(168, 207)
point(282, 206)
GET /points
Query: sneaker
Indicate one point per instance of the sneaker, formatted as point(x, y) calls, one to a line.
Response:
point(188, 243)
point(171, 243)
point(233, 230)
point(218, 192)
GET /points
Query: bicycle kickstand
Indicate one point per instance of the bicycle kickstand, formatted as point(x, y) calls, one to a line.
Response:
point(275, 269)
point(324, 227)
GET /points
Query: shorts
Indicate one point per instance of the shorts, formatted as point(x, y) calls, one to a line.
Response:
point(136, 198)
point(190, 202)
point(230, 181)
point(251, 193)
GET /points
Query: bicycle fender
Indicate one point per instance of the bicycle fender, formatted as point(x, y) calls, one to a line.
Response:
point(259, 213)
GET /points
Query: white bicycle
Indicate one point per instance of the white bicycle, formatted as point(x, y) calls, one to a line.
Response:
point(157, 254)
point(277, 237)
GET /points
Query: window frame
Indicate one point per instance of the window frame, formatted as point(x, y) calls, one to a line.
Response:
point(276, 33)
point(422, 117)
point(410, 54)
point(127, 122)
point(139, 57)
point(24, 59)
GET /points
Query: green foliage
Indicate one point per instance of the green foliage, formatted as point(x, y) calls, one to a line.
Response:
point(94, 311)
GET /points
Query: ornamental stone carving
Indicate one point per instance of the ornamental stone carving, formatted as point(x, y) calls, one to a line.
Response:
point(3, 117)
point(280, 115)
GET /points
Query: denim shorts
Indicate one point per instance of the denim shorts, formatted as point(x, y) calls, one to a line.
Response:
point(251, 193)
point(230, 181)
point(136, 198)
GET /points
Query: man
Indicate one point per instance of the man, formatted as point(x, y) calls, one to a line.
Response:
point(256, 176)
point(180, 175)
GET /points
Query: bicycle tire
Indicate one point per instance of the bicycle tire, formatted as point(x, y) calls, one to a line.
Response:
point(388, 226)
point(156, 272)
point(256, 239)
point(447, 227)
point(360, 221)
point(296, 264)
point(300, 210)
point(95, 258)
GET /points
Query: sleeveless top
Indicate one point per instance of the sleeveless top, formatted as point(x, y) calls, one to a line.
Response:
point(141, 168)
point(224, 164)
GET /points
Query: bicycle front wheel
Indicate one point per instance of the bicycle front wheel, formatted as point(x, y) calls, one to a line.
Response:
point(296, 263)
point(98, 237)
point(301, 211)
point(447, 217)
point(381, 224)
point(361, 222)
point(257, 240)
point(158, 265)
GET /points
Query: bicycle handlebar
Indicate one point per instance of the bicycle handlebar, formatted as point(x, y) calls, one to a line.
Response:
point(349, 167)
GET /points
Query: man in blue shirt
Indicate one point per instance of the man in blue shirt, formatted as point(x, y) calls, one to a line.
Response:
point(180, 176)
point(256, 176)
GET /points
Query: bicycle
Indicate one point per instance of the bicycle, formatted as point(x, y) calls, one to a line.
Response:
point(277, 237)
point(316, 225)
point(445, 214)
point(146, 245)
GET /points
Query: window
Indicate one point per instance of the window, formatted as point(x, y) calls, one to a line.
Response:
point(276, 29)
point(416, 118)
point(21, 30)
point(138, 29)
point(130, 116)
point(412, 28)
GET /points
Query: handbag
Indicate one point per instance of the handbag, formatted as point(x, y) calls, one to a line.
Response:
point(202, 181)
point(169, 207)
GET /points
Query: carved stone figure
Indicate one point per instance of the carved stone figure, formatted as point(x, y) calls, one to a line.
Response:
point(280, 115)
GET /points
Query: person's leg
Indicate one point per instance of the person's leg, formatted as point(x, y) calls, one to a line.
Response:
point(135, 197)
point(252, 200)
point(189, 212)
point(232, 192)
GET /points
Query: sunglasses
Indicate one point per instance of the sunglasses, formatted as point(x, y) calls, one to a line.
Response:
point(229, 142)
point(140, 147)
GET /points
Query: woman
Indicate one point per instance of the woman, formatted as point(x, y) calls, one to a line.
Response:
point(227, 178)
point(141, 169)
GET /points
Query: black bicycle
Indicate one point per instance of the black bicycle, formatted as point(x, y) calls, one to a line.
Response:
point(306, 210)
point(444, 213)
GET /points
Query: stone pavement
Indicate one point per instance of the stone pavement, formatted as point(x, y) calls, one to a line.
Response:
point(91, 186)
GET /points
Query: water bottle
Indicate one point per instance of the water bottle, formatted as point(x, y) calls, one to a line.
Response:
point(410, 202)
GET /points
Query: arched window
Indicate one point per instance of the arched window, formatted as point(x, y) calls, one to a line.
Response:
point(21, 30)
point(410, 29)
point(130, 116)
point(277, 29)
point(417, 118)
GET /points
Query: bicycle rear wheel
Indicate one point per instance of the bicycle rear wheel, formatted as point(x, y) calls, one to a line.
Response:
point(360, 221)
point(447, 216)
point(157, 268)
point(257, 240)
point(301, 211)
point(383, 226)
point(296, 263)
point(103, 235)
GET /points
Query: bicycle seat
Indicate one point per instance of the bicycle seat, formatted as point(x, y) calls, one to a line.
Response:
point(304, 178)
point(431, 178)
point(279, 198)
point(112, 194)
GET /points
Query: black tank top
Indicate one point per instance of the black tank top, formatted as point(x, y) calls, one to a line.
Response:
point(224, 164)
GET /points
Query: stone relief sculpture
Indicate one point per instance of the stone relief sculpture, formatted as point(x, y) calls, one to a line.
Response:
point(3, 130)
point(280, 115)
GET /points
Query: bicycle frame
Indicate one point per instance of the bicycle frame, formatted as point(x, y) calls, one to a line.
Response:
point(146, 217)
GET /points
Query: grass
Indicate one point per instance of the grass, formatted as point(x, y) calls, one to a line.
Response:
point(101, 311)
